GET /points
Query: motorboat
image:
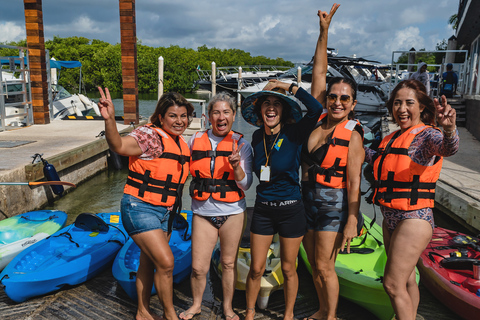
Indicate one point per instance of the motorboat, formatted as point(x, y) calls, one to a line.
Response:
point(65, 104)
point(15, 98)
point(227, 78)
point(369, 99)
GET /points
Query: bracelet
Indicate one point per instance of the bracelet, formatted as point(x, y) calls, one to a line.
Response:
point(450, 134)
point(291, 87)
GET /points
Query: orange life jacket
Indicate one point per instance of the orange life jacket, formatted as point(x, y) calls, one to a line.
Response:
point(330, 168)
point(160, 181)
point(401, 183)
point(220, 184)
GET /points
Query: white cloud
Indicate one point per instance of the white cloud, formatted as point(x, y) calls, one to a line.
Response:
point(368, 28)
point(11, 32)
point(406, 39)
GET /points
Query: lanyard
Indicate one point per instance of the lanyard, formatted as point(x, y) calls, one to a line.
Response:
point(267, 154)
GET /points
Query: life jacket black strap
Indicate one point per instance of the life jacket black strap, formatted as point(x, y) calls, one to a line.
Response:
point(209, 185)
point(182, 159)
point(200, 154)
point(334, 171)
point(413, 185)
point(147, 180)
point(338, 142)
point(162, 191)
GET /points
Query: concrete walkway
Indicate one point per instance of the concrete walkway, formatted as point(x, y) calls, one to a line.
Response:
point(458, 189)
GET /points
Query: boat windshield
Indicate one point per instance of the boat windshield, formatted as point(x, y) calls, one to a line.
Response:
point(60, 92)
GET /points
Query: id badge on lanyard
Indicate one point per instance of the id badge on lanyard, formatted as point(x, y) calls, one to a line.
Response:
point(265, 173)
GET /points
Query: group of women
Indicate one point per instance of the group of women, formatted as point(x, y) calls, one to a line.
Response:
point(320, 208)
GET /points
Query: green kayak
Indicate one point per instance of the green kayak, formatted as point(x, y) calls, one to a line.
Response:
point(360, 273)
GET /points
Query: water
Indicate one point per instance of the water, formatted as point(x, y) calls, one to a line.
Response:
point(103, 192)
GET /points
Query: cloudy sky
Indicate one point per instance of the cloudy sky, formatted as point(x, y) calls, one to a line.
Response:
point(283, 28)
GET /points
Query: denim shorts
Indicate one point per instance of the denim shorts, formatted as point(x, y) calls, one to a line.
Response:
point(140, 216)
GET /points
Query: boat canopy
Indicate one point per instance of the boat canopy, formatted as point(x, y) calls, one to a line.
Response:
point(53, 63)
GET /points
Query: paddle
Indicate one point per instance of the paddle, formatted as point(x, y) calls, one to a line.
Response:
point(39, 183)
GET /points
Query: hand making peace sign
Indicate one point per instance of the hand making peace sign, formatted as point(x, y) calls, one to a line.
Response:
point(105, 104)
point(234, 158)
point(326, 18)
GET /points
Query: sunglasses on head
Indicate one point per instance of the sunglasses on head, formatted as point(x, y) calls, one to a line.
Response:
point(344, 98)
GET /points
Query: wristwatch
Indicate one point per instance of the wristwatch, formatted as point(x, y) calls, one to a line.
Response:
point(291, 87)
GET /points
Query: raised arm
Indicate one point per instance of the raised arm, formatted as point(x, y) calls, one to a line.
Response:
point(125, 146)
point(320, 60)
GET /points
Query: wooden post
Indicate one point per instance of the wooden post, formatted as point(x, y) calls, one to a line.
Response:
point(128, 35)
point(214, 79)
point(160, 77)
point(411, 61)
point(239, 86)
point(36, 57)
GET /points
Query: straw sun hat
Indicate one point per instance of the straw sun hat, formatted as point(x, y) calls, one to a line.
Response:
point(250, 108)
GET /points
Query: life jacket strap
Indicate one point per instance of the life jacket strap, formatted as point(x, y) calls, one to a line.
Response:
point(200, 154)
point(334, 171)
point(181, 158)
point(209, 185)
point(165, 188)
point(413, 185)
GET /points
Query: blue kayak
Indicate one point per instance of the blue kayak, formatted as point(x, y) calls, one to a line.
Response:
point(126, 263)
point(19, 232)
point(70, 256)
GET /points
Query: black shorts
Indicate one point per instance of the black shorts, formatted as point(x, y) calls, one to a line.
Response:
point(287, 218)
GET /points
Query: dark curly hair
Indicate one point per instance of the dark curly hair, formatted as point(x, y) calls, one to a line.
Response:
point(428, 114)
point(168, 100)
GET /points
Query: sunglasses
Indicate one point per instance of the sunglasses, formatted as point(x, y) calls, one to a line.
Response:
point(344, 98)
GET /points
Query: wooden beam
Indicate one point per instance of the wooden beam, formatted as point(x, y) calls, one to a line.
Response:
point(38, 67)
point(128, 35)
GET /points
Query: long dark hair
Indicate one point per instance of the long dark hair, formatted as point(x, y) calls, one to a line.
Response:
point(353, 87)
point(428, 114)
point(166, 101)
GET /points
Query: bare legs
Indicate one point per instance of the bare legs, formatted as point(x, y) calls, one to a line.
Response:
point(204, 238)
point(404, 247)
point(322, 249)
point(155, 254)
point(288, 254)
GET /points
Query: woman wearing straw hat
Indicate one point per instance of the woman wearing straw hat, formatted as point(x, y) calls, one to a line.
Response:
point(276, 162)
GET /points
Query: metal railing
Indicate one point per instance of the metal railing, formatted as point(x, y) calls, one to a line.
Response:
point(15, 94)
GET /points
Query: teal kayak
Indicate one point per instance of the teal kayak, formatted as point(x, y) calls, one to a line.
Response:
point(360, 273)
point(70, 256)
point(126, 263)
point(19, 232)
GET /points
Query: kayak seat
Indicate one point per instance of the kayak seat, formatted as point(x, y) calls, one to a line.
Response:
point(179, 222)
point(458, 263)
point(90, 222)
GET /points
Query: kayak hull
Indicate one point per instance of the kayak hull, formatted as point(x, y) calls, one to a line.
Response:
point(455, 288)
point(126, 263)
point(69, 257)
point(360, 274)
point(19, 232)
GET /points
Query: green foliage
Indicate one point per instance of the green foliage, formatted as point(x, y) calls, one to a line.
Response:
point(101, 64)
